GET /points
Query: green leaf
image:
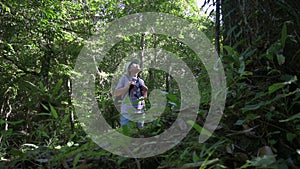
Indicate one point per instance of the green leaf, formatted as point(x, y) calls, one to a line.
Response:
point(34, 86)
point(42, 114)
point(290, 136)
point(253, 107)
point(280, 59)
point(184, 153)
point(125, 130)
point(257, 96)
point(247, 73)
point(229, 50)
point(268, 56)
point(65, 119)
point(7, 9)
point(229, 32)
point(53, 111)
point(275, 87)
point(70, 143)
point(16, 152)
point(264, 161)
point(291, 118)
point(15, 122)
point(11, 122)
point(195, 157)
point(274, 48)
point(45, 107)
point(287, 78)
point(2, 121)
point(42, 87)
point(200, 129)
point(121, 160)
point(248, 117)
point(283, 35)
point(239, 122)
point(57, 87)
point(173, 98)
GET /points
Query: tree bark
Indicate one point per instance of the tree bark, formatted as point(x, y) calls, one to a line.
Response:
point(217, 26)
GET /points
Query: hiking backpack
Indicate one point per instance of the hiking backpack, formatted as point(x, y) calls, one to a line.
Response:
point(135, 93)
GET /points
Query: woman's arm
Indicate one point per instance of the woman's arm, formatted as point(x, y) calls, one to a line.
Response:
point(124, 89)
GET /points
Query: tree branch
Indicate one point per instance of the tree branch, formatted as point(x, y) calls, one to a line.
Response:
point(21, 67)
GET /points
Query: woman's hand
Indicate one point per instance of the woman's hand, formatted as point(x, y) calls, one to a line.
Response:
point(145, 89)
point(131, 83)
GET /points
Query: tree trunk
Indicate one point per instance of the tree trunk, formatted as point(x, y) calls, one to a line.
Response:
point(217, 27)
point(258, 24)
point(142, 48)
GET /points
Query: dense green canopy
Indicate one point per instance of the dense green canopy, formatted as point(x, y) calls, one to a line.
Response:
point(257, 41)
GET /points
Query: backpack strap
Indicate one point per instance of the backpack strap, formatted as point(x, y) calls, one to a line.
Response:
point(141, 87)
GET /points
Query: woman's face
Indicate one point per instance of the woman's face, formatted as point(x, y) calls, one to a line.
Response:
point(134, 68)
